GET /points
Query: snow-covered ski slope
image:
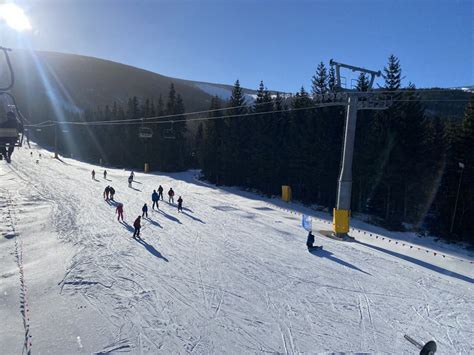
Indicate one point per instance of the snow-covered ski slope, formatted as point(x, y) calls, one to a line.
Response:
point(231, 274)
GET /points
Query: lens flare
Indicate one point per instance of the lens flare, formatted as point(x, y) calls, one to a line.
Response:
point(14, 17)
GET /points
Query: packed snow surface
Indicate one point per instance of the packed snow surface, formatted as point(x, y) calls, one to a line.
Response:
point(231, 274)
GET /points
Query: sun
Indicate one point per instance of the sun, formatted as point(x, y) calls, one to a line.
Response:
point(14, 17)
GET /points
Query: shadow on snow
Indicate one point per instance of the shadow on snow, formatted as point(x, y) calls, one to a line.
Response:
point(152, 222)
point(419, 262)
point(151, 249)
point(170, 217)
point(328, 255)
point(193, 218)
point(127, 226)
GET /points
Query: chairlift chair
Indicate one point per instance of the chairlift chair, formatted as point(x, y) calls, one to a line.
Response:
point(11, 122)
point(145, 132)
point(169, 133)
point(11, 119)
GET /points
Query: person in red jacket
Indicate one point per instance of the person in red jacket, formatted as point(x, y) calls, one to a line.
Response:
point(119, 211)
point(137, 226)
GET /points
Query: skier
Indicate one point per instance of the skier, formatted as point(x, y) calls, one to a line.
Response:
point(160, 192)
point(105, 174)
point(93, 174)
point(310, 240)
point(137, 226)
point(112, 193)
point(130, 180)
point(154, 198)
point(106, 193)
point(119, 211)
point(31, 154)
point(171, 196)
point(132, 174)
point(180, 204)
point(145, 210)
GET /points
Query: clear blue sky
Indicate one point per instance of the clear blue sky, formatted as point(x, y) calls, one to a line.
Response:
point(279, 42)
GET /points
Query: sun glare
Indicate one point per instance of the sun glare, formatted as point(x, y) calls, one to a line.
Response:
point(14, 17)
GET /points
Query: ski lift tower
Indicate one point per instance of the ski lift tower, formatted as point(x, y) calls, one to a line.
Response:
point(354, 101)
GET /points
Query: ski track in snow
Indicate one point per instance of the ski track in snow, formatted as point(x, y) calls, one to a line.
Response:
point(232, 275)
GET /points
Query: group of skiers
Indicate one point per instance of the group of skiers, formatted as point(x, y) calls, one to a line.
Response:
point(93, 174)
point(109, 193)
point(156, 196)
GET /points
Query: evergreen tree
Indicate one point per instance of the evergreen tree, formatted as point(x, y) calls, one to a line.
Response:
point(385, 132)
point(392, 73)
point(173, 150)
point(171, 103)
point(319, 81)
point(160, 109)
point(362, 82)
point(212, 155)
point(198, 151)
point(260, 153)
point(237, 130)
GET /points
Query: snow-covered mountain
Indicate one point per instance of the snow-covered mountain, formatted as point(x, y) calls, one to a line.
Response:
point(468, 88)
point(231, 274)
point(224, 92)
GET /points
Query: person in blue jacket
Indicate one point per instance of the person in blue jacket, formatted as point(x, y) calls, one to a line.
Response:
point(154, 198)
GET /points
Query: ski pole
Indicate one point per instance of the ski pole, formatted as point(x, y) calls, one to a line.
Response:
point(413, 341)
point(428, 349)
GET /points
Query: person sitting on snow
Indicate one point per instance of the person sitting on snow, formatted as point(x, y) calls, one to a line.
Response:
point(310, 240)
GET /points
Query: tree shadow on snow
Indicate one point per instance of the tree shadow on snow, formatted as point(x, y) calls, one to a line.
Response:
point(62, 161)
point(193, 218)
point(152, 222)
point(171, 218)
point(328, 255)
point(151, 249)
point(420, 263)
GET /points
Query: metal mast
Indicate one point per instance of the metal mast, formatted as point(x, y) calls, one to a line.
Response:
point(355, 101)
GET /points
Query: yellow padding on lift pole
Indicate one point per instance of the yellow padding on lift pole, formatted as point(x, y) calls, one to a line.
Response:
point(147, 168)
point(340, 221)
point(286, 193)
